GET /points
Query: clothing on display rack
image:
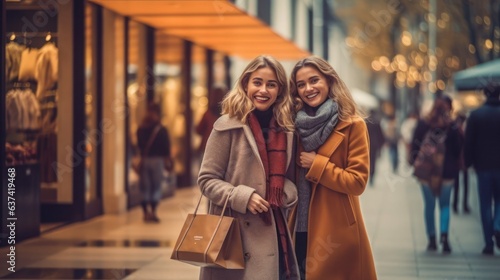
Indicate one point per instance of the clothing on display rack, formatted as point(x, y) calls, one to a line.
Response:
point(22, 110)
point(13, 53)
point(46, 70)
point(22, 122)
point(27, 67)
point(31, 119)
point(21, 153)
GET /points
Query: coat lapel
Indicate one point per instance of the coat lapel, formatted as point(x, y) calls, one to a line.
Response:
point(333, 141)
point(289, 147)
point(249, 135)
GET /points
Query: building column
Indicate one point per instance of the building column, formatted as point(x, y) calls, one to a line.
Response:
point(114, 114)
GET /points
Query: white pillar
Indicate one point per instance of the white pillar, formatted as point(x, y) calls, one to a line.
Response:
point(65, 152)
point(317, 21)
point(281, 21)
point(113, 122)
point(301, 30)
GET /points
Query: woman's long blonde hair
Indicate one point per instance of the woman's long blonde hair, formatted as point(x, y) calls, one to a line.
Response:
point(237, 104)
point(338, 91)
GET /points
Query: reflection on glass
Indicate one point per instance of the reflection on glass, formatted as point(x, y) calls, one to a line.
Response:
point(136, 96)
point(168, 92)
point(90, 105)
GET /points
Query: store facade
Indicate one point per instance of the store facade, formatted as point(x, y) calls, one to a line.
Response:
point(51, 103)
point(76, 79)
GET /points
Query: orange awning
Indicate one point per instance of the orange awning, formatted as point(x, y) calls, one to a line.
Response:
point(215, 24)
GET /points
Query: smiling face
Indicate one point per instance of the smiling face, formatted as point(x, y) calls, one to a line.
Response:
point(312, 86)
point(262, 88)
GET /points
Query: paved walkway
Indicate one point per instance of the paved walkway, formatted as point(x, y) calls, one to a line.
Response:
point(123, 247)
point(393, 212)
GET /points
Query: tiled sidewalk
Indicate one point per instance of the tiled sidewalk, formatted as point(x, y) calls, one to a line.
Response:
point(123, 247)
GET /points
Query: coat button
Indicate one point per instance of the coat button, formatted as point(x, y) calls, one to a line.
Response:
point(247, 223)
point(247, 256)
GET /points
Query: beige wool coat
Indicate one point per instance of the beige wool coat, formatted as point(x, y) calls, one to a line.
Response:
point(232, 165)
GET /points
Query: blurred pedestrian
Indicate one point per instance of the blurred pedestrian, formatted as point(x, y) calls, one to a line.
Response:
point(377, 141)
point(333, 172)
point(391, 133)
point(246, 158)
point(213, 112)
point(432, 133)
point(154, 143)
point(482, 151)
point(459, 123)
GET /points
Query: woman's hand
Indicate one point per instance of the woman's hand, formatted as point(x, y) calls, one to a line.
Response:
point(306, 159)
point(257, 204)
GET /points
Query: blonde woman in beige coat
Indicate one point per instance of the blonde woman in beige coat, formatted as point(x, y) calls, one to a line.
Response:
point(247, 157)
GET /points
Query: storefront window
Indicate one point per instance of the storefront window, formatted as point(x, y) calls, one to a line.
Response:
point(35, 137)
point(31, 94)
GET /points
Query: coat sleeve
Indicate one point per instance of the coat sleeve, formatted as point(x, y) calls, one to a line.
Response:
point(352, 179)
point(290, 194)
point(213, 170)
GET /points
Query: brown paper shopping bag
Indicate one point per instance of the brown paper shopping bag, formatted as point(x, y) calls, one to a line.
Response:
point(210, 241)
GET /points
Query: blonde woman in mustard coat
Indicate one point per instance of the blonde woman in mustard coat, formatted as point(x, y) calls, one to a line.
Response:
point(247, 157)
point(333, 167)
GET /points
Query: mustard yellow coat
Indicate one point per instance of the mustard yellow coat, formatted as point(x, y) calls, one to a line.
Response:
point(338, 245)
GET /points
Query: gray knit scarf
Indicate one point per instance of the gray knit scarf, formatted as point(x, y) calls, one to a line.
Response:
point(313, 131)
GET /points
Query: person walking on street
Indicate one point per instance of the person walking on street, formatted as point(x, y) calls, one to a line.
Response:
point(391, 133)
point(436, 147)
point(482, 151)
point(154, 144)
point(459, 122)
point(211, 115)
point(377, 141)
point(334, 161)
point(247, 157)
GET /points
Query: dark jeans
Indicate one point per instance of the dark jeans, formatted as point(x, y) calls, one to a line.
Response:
point(489, 190)
point(301, 252)
point(151, 179)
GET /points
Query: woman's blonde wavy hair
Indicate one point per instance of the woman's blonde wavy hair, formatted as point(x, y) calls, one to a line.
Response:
point(237, 104)
point(338, 91)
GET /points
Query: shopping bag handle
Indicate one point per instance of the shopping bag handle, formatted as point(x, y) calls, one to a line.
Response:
point(223, 209)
